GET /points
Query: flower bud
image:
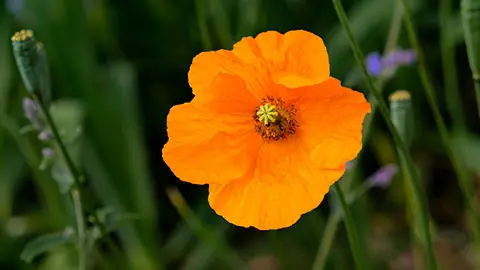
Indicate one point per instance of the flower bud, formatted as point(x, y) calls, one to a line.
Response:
point(31, 60)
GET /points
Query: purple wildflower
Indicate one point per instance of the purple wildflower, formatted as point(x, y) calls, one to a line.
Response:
point(374, 64)
point(45, 136)
point(377, 65)
point(398, 58)
point(383, 176)
point(48, 152)
point(30, 109)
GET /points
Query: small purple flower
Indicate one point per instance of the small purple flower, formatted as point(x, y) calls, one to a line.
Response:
point(45, 136)
point(383, 176)
point(398, 58)
point(349, 165)
point(48, 152)
point(377, 65)
point(30, 109)
point(374, 64)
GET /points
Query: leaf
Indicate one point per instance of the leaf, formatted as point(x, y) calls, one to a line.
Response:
point(468, 148)
point(62, 176)
point(93, 234)
point(68, 115)
point(47, 242)
point(11, 169)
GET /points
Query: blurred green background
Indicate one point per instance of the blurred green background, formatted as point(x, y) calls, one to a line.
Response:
point(126, 62)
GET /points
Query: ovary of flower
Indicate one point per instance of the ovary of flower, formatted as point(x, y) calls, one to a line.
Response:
point(267, 113)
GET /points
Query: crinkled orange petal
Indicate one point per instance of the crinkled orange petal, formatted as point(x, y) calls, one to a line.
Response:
point(211, 139)
point(330, 122)
point(297, 58)
point(283, 185)
point(207, 65)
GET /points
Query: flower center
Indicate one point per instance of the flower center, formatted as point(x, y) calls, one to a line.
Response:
point(275, 120)
point(267, 113)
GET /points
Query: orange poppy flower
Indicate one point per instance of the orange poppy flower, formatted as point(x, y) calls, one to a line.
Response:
point(268, 129)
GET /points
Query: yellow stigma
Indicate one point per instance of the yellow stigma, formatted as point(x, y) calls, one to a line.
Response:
point(267, 113)
point(22, 35)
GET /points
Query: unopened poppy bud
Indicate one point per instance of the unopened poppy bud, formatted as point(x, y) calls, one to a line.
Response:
point(31, 60)
point(401, 108)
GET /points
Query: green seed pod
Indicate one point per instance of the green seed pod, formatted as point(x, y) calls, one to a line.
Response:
point(401, 114)
point(31, 60)
point(42, 72)
point(471, 29)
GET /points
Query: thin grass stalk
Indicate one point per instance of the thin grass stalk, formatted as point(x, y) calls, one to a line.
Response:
point(355, 244)
point(402, 149)
point(450, 78)
point(335, 218)
point(466, 184)
point(471, 29)
point(202, 24)
point(395, 29)
point(221, 22)
point(327, 240)
point(77, 203)
point(208, 237)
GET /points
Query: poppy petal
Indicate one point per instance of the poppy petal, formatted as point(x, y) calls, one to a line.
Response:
point(207, 65)
point(284, 185)
point(330, 122)
point(211, 139)
point(298, 58)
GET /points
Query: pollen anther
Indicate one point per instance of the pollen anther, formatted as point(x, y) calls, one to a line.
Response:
point(275, 120)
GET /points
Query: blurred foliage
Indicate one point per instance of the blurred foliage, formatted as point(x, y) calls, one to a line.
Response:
point(127, 63)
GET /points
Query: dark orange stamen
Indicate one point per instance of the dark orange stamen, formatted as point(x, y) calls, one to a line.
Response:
point(283, 125)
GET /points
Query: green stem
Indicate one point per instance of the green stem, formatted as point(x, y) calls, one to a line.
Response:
point(61, 146)
point(409, 165)
point(355, 245)
point(75, 192)
point(452, 93)
point(207, 236)
point(470, 10)
point(476, 83)
point(221, 22)
point(466, 185)
point(77, 202)
point(327, 241)
point(395, 28)
point(202, 24)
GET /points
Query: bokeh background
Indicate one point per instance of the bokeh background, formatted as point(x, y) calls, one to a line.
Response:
point(123, 64)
